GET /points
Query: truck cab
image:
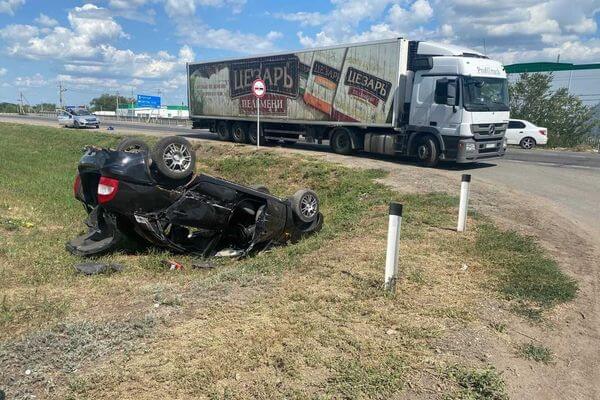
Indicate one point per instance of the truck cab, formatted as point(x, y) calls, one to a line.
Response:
point(459, 97)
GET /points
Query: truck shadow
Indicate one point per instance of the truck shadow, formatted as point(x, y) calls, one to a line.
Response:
point(324, 148)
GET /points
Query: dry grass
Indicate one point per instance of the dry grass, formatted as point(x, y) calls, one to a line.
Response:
point(306, 321)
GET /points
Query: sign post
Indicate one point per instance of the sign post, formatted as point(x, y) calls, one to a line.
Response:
point(259, 89)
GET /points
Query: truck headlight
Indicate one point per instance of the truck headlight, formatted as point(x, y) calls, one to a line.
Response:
point(470, 147)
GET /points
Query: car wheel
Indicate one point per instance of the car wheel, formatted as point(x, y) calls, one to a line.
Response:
point(133, 145)
point(75, 124)
point(428, 151)
point(527, 143)
point(305, 205)
point(261, 188)
point(239, 132)
point(174, 157)
point(341, 142)
point(223, 131)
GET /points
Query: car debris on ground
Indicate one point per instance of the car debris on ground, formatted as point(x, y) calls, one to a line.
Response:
point(137, 197)
point(94, 268)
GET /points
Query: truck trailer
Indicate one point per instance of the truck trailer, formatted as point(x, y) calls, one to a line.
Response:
point(396, 97)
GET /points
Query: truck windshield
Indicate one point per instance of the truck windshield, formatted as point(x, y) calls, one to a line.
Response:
point(485, 94)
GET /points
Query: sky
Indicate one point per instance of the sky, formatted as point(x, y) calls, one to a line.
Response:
point(141, 46)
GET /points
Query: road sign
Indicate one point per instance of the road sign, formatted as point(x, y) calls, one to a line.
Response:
point(259, 89)
point(148, 101)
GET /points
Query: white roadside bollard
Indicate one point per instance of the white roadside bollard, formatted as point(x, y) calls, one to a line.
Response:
point(393, 247)
point(464, 202)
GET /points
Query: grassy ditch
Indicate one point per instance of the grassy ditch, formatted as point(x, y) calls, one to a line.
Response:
point(304, 321)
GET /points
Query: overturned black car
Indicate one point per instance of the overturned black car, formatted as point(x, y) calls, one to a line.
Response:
point(134, 196)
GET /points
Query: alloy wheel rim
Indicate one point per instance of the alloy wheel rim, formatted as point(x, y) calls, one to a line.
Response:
point(177, 157)
point(308, 205)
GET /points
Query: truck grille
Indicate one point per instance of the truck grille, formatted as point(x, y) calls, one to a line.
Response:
point(487, 130)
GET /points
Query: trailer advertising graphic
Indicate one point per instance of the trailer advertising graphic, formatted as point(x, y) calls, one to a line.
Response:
point(351, 84)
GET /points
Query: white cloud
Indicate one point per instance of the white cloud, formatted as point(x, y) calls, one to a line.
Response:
point(304, 18)
point(194, 31)
point(10, 6)
point(46, 21)
point(3, 71)
point(90, 83)
point(511, 29)
point(36, 80)
point(186, 54)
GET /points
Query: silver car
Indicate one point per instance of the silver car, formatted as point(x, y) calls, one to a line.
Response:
point(77, 118)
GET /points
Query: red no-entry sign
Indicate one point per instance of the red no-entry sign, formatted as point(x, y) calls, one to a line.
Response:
point(259, 89)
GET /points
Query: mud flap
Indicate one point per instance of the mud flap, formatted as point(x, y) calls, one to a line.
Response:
point(103, 235)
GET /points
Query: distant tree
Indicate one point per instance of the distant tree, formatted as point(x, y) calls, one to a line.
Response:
point(568, 120)
point(9, 108)
point(108, 102)
point(44, 107)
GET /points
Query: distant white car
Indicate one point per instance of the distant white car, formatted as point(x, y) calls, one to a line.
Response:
point(77, 118)
point(525, 134)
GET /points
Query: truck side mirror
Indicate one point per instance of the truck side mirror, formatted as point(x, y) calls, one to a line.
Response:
point(451, 93)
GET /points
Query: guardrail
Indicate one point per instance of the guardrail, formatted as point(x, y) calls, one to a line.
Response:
point(183, 122)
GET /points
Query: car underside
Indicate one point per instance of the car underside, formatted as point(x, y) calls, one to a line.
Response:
point(130, 203)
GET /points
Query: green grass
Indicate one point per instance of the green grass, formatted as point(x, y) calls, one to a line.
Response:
point(478, 384)
point(524, 271)
point(305, 320)
point(535, 352)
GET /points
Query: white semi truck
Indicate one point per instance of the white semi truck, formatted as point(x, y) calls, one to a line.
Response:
point(396, 97)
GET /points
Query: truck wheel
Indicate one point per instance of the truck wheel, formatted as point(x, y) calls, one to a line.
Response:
point(174, 157)
point(305, 205)
point(527, 143)
point(133, 145)
point(239, 132)
point(252, 135)
point(341, 142)
point(428, 151)
point(223, 131)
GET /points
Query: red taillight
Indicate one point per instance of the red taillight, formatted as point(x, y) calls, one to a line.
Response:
point(76, 185)
point(542, 132)
point(107, 189)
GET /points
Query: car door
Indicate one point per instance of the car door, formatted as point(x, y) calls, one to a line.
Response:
point(445, 118)
point(515, 132)
point(63, 118)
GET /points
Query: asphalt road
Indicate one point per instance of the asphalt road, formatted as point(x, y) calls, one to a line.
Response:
point(568, 181)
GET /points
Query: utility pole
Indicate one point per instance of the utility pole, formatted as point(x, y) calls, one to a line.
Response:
point(61, 90)
point(117, 109)
point(21, 103)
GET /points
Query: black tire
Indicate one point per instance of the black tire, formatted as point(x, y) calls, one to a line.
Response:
point(239, 132)
point(75, 124)
point(341, 142)
point(133, 145)
point(305, 205)
point(252, 135)
point(527, 143)
point(174, 157)
point(428, 151)
point(223, 131)
point(289, 142)
point(261, 188)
